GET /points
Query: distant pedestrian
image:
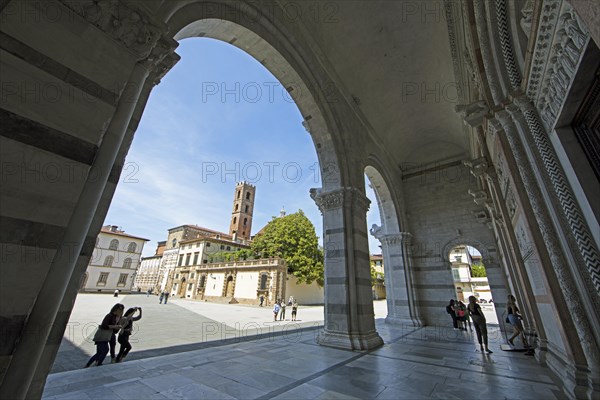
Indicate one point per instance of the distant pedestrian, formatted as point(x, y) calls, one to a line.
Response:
point(127, 324)
point(166, 297)
point(514, 318)
point(276, 309)
point(262, 300)
point(294, 310)
point(282, 313)
point(104, 333)
point(148, 293)
point(480, 324)
point(161, 297)
point(451, 310)
point(291, 301)
point(116, 294)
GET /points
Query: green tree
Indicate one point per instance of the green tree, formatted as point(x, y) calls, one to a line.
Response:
point(294, 239)
point(478, 271)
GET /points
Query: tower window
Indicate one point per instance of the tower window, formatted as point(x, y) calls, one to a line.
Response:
point(246, 209)
point(234, 220)
point(239, 194)
point(245, 221)
point(236, 207)
point(248, 196)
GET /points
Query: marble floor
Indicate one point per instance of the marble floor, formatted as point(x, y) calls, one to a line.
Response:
point(424, 363)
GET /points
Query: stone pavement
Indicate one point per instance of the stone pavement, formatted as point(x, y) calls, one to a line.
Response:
point(181, 325)
point(423, 363)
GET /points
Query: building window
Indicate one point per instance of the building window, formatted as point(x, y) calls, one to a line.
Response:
point(208, 244)
point(245, 221)
point(190, 286)
point(248, 196)
point(222, 247)
point(127, 263)
point(455, 274)
point(174, 242)
point(246, 209)
point(234, 220)
point(108, 261)
point(102, 279)
point(187, 259)
point(205, 261)
point(228, 247)
point(192, 275)
point(236, 207)
point(196, 258)
point(239, 194)
point(202, 281)
point(132, 247)
point(263, 282)
point(114, 245)
point(176, 276)
point(180, 260)
point(122, 280)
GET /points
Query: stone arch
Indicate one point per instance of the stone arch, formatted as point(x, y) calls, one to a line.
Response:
point(238, 25)
point(395, 244)
point(482, 248)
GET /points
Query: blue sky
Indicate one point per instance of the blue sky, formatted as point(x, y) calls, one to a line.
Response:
point(218, 117)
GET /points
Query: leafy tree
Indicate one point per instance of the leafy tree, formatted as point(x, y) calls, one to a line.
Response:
point(478, 271)
point(294, 239)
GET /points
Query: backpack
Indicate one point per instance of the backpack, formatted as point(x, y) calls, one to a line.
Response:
point(449, 309)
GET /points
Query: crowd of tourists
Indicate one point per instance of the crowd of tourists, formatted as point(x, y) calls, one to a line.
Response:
point(462, 315)
point(280, 306)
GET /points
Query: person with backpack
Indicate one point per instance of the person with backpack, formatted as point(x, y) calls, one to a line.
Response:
point(450, 310)
point(461, 315)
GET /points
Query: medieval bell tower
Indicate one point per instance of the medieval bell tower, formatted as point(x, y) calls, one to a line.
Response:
point(243, 207)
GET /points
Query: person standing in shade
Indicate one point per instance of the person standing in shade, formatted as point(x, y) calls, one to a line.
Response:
point(479, 321)
point(276, 310)
point(127, 324)
point(294, 310)
point(282, 313)
point(161, 297)
point(166, 297)
point(514, 318)
point(451, 310)
point(110, 322)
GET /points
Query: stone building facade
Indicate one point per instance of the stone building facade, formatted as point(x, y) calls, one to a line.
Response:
point(475, 122)
point(114, 262)
point(149, 273)
point(231, 282)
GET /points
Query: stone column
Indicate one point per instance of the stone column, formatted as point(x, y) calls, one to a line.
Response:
point(349, 316)
point(400, 303)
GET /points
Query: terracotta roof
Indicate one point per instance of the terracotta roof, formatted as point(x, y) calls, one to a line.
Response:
point(107, 229)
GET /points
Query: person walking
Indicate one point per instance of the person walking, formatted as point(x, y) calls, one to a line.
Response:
point(262, 300)
point(276, 310)
point(148, 293)
point(514, 318)
point(166, 297)
point(161, 297)
point(461, 311)
point(116, 294)
point(282, 313)
point(127, 324)
point(104, 333)
point(480, 324)
point(294, 310)
point(451, 310)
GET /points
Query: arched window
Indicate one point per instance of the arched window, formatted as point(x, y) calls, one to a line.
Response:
point(114, 245)
point(127, 263)
point(239, 193)
point(174, 242)
point(263, 282)
point(245, 221)
point(108, 261)
point(246, 209)
point(132, 247)
point(236, 207)
point(248, 196)
point(234, 220)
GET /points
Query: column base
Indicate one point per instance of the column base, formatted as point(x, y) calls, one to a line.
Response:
point(349, 341)
point(403, 321)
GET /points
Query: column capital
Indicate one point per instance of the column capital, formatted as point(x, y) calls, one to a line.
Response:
point(340, 198)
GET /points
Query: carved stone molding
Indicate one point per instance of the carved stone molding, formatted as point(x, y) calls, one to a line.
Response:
point(340, 198)
point(480, 197)
point(478, 166)
point(473, 114)
point(514, 75)
point(486, 51)
point(126, 24)
point(389, 238)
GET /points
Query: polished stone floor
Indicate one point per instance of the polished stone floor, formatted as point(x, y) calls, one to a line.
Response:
point(423, 363)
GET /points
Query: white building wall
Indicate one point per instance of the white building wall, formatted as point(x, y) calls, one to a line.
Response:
point(214, 284)
point(246, 284)
point(303, 293)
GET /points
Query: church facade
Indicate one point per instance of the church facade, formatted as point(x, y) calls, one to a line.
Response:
point(476, 123)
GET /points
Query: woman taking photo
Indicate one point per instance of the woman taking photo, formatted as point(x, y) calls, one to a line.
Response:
point(127, 324)
point(109, 324)
point(480, 324)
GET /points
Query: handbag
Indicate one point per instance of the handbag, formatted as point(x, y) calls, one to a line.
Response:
point(102, 335)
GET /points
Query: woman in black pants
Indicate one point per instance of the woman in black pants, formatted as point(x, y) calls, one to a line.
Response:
point(128, 319)
point(480, 324)
point(110, 322)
